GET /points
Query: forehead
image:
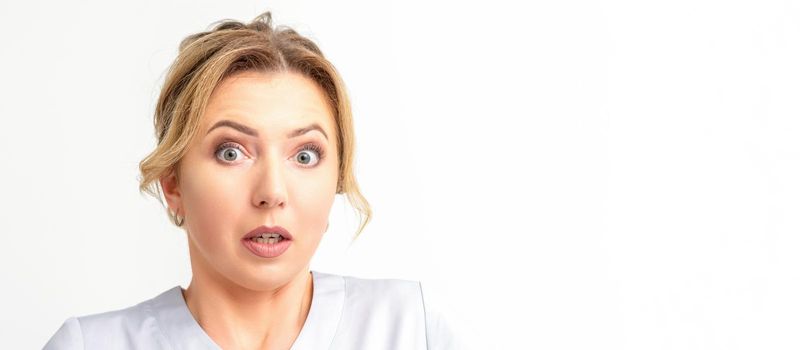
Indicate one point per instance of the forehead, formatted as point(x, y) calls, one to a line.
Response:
point(269, 102)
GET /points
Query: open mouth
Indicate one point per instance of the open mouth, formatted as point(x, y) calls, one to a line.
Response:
point(268, 232)
point(270, 238)
point(270, 247)
point(267, 241)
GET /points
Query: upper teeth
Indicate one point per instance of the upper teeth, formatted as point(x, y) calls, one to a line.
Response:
point(269, 235)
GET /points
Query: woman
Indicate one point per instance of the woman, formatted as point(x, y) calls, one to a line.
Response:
point(255, 139)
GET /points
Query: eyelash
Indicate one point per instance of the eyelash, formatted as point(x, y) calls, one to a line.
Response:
point(307, 147)
point(314, 147)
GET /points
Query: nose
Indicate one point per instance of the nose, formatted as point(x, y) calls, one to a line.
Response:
point(270, 188)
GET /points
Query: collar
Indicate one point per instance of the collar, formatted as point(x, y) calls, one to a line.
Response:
point(182, 331)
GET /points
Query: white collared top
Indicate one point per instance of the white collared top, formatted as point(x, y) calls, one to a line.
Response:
point(346, 313)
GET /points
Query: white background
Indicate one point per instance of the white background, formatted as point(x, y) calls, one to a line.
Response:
point(564, 174)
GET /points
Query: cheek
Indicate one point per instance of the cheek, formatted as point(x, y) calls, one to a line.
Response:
point(312, 194)
point(213, 201)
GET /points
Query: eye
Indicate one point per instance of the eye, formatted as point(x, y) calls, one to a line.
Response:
point(310, 154)
point(228, 151)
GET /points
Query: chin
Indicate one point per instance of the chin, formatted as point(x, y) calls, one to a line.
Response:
point(266, 277)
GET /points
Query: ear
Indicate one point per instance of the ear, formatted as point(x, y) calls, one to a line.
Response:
point(169, 184)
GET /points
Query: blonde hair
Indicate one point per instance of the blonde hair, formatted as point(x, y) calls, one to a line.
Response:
point(206, 58)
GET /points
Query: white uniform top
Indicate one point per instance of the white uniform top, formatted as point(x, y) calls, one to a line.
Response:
point(346, 313)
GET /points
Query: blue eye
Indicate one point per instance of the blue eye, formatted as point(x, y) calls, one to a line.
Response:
point(305, 157)
point(230, 150)
point(309, 155)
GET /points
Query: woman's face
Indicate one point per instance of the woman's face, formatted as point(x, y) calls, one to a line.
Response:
point(231, 182)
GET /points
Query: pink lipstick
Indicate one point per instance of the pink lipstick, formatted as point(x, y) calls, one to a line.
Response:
point(267, 241)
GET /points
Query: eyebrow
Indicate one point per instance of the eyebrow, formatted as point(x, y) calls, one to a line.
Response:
point(252, 132)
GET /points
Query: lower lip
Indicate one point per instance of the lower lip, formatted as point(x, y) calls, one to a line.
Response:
point(267, 250)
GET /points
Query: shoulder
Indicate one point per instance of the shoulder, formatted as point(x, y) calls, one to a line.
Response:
point(122, 328)
point(383, 290)
point(393, 313)
point(387, 298)
point(370, 292)
point(374, 313)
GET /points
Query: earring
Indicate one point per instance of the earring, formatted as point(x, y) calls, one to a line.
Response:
point(176, 220)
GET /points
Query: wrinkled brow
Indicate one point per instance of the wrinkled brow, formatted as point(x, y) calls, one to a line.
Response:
point(253, 132)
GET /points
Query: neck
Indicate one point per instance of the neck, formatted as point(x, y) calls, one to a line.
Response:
point(238, 317)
